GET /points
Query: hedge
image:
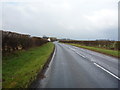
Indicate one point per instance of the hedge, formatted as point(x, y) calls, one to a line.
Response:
point(12, 41)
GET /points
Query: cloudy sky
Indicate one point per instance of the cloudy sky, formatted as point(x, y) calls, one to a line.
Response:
point(75, 19)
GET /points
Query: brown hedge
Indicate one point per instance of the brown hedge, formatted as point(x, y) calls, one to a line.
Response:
point(113, 45)
point(12, 41)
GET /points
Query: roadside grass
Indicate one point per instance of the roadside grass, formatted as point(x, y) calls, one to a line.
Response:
point(113, 53)
point(20, 69)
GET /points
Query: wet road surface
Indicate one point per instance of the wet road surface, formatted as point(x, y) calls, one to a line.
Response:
point(73, 67)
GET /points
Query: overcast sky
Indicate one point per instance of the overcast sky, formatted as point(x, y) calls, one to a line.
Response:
point(74, 19)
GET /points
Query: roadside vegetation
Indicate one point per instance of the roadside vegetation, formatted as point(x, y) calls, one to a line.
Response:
point(106, 44)
point(12, 42)
point(100, 50)
point(107, 47)
point(21, 68)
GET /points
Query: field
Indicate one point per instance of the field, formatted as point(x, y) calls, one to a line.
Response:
point(22, 67)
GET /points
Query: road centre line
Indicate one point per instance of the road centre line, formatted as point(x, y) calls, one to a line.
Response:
point(115, 76)
point(77, 52)
point(80, 55)
point(97, 65)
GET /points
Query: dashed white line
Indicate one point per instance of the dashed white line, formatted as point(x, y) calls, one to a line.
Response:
point(107, 71)
point(97, 65)
point(80, 55)
point(77, 52)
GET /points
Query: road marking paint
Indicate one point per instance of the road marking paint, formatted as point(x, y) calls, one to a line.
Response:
point(54, 53)
point(77, 52)
point(53, 56)
point(81, 55)
point(71, 49)
point(107, 71)
point(44, 81)
point(96, 64)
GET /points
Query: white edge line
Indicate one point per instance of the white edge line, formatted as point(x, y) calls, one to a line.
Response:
point(53, 56)
point(47, 69)
point(107, 71)
point(51, 61)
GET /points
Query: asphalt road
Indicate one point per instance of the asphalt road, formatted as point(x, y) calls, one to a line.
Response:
point(73, 67)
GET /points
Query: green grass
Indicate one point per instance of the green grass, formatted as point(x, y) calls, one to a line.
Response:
point(22, 68)
point(101, 50)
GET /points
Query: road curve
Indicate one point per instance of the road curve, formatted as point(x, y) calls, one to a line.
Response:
point(73, 67)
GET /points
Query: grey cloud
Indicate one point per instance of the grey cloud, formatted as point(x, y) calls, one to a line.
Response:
point(62, 18)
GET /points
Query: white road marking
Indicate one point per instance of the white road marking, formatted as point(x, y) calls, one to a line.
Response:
point(96, 64)
point(52, 57)
point(107, 71)
point(54, 54)
point(81, 55)
point(71, 49)
point(44, 81)
point(77, 52)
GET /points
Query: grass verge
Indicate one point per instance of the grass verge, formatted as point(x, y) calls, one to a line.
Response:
point(113, 53)
point(20, 69)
